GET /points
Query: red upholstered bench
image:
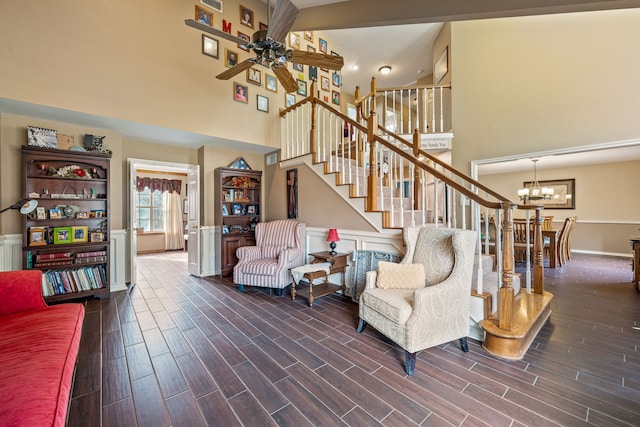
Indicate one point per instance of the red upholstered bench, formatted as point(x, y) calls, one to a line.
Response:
point(38, 350)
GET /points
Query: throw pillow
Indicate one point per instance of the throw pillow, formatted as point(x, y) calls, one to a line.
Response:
point(400, 276)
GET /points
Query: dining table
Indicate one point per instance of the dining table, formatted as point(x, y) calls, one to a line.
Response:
point(552, 236)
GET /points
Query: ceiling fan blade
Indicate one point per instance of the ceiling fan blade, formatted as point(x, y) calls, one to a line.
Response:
point(286, 79)
point(322, 60)
point(282, 20)
point(236, 69)
point(208, 29)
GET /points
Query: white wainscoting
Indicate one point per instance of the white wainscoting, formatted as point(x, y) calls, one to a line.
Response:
point(118, 258)
point(11, 252)
point(209, 250)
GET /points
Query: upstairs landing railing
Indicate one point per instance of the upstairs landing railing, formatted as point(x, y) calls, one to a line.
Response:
point(408, 185)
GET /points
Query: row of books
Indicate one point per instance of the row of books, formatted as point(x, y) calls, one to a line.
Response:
point(60, 282)
point(56, 259)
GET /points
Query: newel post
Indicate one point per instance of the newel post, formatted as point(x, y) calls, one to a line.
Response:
point(313, 131)
point(372, 127)
point(538, 256)
point(359, 142)
point(505, 304)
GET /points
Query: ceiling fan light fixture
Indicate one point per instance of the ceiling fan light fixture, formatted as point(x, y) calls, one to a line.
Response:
point(384, 70)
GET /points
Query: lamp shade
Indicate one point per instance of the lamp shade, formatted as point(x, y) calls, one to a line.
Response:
point(333, 235)
point(25, 206)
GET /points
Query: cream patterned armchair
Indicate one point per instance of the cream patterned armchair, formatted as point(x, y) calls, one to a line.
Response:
point(279, 247)
point(423, 301)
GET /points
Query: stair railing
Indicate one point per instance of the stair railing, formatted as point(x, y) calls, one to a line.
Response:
point(373, 160)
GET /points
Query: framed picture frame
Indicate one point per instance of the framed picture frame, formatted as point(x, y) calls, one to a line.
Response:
point(289, 99)
point(246, 16)
point(336, 79)
point(322, 45)
point(308, 36)
point(254, 76)
point(230, 58)
point(79, 234)
point(246, 38)
point(292, 193)
point(313, 73)
point(237, 209)
point(40, 137)
point(263, 103)
point(62, 235)
point(96, 236)
point(263, 26)
point(225, 211)
point(298, 67)
point(225, 229)
point(41, 213)
point(335, 97)
point(251, 209)
point(240, 92)
point(271, 83)
point(564, 193)
point(215, 5)
point(294, 41)
point(37, 236)
point(55, 213)
point(210, 46)
point(203, 16)
point(324, 83)
point(441, 67)
point(302, 87)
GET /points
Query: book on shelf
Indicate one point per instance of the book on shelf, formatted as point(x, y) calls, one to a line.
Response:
point(41, 257)
point(53, 263)
point(60, 282)
point(91, 254)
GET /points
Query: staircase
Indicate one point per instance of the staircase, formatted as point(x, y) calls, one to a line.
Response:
point(394, 182)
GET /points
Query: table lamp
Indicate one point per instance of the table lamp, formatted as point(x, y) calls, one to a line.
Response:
point(25, 206)
point(333, 238)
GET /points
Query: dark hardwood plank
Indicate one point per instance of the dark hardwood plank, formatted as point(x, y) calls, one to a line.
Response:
point(249, 410)
point(169, 376)
point(184, 411)
point(115, 380)
point(150, 407)
point(85, 410)
point(197, 377)
point(119, 414)
point(216, 411)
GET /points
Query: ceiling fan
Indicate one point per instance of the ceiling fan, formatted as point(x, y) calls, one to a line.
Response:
point(270, 47)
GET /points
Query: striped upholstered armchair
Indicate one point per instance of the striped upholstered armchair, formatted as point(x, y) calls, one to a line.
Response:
point(279, 247)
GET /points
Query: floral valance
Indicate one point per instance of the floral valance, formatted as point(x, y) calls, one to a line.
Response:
point(159, 184)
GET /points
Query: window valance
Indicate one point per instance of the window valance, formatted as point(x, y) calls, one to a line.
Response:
point(159, 184)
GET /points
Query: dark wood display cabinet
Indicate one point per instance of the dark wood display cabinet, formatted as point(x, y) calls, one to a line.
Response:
point(67, 236)
point(238, 193)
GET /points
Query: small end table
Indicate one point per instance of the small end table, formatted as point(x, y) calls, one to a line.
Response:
point(338, 265)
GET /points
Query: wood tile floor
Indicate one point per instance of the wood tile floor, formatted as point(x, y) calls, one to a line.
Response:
point(184, 351)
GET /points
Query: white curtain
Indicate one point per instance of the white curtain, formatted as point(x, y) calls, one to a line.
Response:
point(174, 231)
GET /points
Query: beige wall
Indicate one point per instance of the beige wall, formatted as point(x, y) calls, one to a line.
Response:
point(530, 84)
point(606, 213)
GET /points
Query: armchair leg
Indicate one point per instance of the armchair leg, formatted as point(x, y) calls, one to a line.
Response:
point(361, 325)
point(463, 344)
point(279, 292)
point(410, 363)
point(240, 287)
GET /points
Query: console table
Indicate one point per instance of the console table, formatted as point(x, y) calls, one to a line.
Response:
point(635, 244)
point(335, 263)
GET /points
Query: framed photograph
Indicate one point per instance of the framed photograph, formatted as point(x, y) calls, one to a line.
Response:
point(294, 41)
point(337, 79)
point(564, 193)
point(322, 45)
point(251, 209)
point(308, 36)
point(441, 67)
point(246, 38)
point(292, 193)
point(79, 234)
point(99, 214)
point(37, 236)
point(324, 83)
point(203, 16)
point(254, 76)
point(246, 16)
point(40, 137)
point(82, 215)
point(263, 103)
point(313, 73)
point(210, 46)
point(62, 235)
point(230, 58)
point(225, 211)
point(55, 213)
point(225, 229)
point(289, 99)
point(96, 236)
point(41, 213)
point(302, 87)
point(240, 92)
point(237, 209)
point(298, 67)
point(215, 5)
point(228, 195)
point(271, 83)
point(335, 97)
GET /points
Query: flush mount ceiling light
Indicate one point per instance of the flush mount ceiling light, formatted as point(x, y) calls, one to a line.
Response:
point(384, 70)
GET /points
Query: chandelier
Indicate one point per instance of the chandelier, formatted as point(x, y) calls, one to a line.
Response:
point(535, 191)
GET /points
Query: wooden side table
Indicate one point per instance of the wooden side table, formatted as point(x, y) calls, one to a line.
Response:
point(635, 244)
point(338, 265)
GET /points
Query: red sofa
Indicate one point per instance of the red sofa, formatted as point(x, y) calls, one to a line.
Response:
point(38, 351)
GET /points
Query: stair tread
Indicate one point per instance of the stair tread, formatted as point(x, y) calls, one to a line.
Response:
point(527, 308)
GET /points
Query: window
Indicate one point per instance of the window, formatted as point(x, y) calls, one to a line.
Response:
point(150, 210)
